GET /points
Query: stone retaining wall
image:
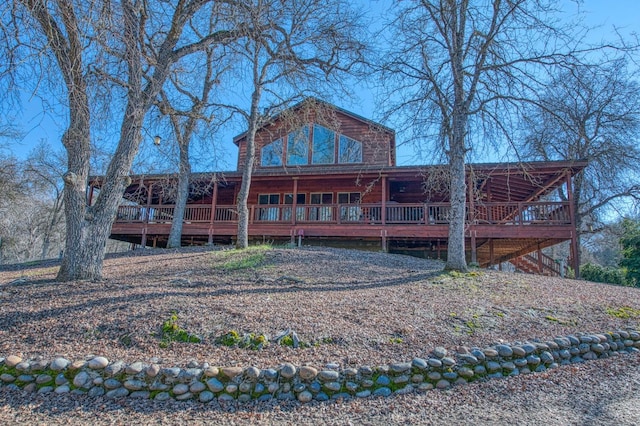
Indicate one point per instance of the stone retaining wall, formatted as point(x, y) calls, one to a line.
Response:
point(97, 376)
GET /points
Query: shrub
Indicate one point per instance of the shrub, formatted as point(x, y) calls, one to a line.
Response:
point(601, 274)
point(172, 332)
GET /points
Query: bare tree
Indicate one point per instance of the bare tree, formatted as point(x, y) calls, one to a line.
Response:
point(97, 47)
point(11, 189)
point(458, 69)
point(184, 125)
point(290, 50)
point(43, 172)
point(590, 113)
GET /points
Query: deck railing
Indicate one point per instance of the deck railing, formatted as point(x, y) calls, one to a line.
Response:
point(531, 213)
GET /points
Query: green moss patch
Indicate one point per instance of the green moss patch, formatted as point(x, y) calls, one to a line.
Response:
point(624, 312)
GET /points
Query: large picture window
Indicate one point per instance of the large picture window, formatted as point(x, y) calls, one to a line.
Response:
point(324, 142)
point(302, 147)
point(271, 155)
point(350, 150)
point(298, 147)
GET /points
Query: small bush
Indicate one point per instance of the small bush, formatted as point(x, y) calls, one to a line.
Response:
point(247, 341)
point(230, 338)
point(172, 332)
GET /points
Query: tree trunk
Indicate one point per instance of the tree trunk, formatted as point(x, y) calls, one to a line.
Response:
point(80, 261)
point(456, 259)
point(242, 240)
point(175, 234)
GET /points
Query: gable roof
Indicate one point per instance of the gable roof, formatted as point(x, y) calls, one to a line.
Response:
point(313, 100)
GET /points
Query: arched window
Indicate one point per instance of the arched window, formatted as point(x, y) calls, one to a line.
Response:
point(350, 150)
point(271, 154)
point(298, 147)
point(324, 142)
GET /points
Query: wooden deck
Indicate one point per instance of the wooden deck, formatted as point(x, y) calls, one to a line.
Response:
point(495, 231)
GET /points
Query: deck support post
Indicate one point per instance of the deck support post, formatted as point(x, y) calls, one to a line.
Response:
point(214, 202)
point(474, 250)
point(540, 265)
point(143, 239)
point(384, 242)
point(492, 259)
point(90, 196)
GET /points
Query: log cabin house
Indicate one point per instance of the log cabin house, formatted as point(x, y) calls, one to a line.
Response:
point(324, 175)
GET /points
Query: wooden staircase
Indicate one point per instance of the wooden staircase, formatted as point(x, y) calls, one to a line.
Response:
point(539, 263)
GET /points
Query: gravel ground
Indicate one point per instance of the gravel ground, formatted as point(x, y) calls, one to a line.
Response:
point(354, 307)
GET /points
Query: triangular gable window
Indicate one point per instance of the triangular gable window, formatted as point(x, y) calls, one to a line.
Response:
point(271, 154)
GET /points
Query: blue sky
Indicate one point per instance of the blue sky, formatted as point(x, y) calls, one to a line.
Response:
point(606, 14)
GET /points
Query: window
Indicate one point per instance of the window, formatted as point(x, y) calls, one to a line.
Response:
point(302, 150)
point(324, 213)
point(324, 142)
point(268, 213)
point(348, 197)
point(301, 199)
point(269, 199)
point(350, 150)
point(349, 213)
point(271, 154)
point(298, 147)
point(324, 198)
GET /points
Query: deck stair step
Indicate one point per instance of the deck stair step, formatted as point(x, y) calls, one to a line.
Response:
point(537, 263)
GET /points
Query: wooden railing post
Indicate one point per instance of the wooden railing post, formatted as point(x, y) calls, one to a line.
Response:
point(143, 238)
point(383, 213)
point(214, 206)
point(471, 215)
point(520, 215)
point(294, 203)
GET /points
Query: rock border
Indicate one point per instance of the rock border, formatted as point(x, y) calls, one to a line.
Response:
point(96, 376)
